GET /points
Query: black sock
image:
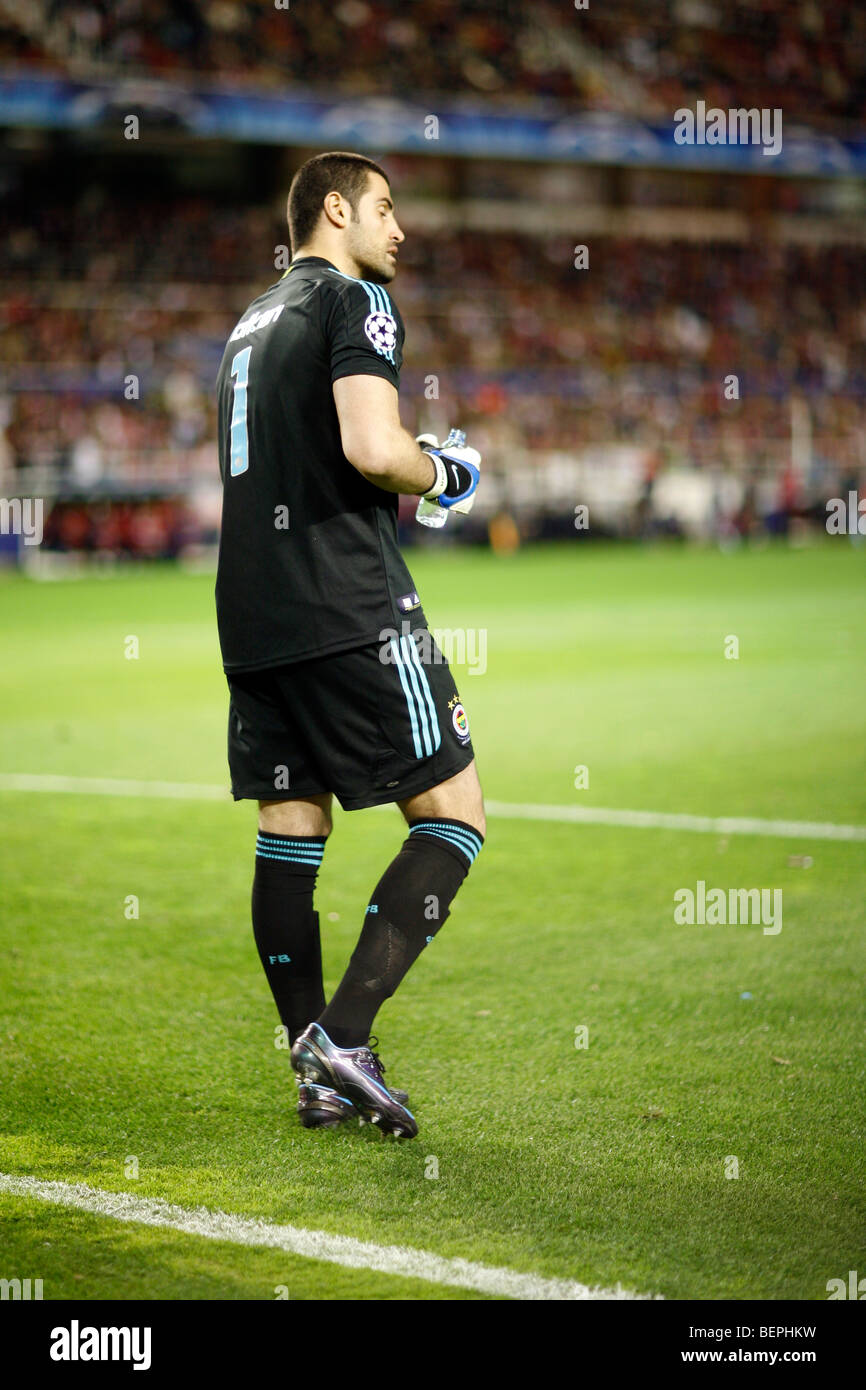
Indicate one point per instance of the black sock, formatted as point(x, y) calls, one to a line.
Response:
point(285, 926)
point(408, 907)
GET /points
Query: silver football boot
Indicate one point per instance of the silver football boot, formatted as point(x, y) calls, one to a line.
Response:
point(330, 1078)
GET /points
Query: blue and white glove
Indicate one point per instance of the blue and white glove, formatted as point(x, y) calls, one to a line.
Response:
point(458, 470)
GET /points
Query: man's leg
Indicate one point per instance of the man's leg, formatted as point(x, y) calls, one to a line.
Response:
point(410, 902)
point(460, 798)
point(289, 848)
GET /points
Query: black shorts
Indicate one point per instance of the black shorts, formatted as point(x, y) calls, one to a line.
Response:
point(375, 724)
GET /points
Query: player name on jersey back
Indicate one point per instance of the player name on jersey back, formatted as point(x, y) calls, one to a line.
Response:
point(261, 319)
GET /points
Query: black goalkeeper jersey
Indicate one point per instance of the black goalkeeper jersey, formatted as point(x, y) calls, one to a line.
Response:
point(308, 557)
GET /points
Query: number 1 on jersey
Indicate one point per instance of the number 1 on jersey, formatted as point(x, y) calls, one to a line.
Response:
point(240, 442)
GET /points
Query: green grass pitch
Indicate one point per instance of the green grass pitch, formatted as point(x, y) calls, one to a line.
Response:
point(153, 1038)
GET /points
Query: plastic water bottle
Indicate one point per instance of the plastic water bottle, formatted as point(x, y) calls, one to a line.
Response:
point(430, 513)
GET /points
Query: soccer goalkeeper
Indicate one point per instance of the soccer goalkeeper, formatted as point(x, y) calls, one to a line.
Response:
point(336, 687)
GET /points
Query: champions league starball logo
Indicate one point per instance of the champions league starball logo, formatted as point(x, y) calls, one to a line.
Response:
point(381, 329)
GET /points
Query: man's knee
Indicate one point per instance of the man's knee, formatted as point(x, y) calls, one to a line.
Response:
point(460, 798)
point(471, 810)
point(298, 817)
point(466, 800)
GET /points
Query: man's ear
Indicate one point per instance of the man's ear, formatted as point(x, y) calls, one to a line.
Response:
point(335, 209)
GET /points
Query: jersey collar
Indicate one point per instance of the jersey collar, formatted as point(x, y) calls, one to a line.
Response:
point(312, 260)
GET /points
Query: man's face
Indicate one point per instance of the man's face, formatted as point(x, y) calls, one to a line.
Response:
point(373, 236)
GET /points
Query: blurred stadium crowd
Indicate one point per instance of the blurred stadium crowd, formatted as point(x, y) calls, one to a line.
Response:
point(691, 382)
point(540, 362)
point(641, 57)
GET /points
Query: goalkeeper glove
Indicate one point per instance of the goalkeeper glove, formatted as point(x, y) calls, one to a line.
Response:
point(457, 471)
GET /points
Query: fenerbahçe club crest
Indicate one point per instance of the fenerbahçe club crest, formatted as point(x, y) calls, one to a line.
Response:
point(461, 723)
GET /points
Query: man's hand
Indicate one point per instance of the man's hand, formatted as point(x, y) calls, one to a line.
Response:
point(457, 473)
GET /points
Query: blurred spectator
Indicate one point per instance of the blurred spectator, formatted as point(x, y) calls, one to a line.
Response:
point(533, 359)
point(642, 57)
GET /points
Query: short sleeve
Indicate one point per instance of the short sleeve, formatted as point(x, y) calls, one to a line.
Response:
point(365, 333)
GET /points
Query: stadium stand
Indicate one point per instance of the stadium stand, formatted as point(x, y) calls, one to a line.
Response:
point(641, 57)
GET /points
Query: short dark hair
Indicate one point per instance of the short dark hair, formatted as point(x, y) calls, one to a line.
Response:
point(337, 171)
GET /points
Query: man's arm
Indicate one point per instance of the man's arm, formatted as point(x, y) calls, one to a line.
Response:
point(373, 439)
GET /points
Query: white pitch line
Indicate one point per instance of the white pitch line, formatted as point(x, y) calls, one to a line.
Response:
point(579, 815)
point(111, 786)
point(668, 820)
point(313, 1245)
